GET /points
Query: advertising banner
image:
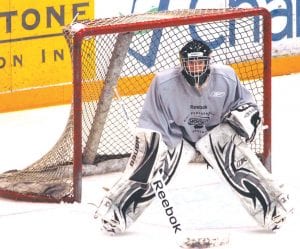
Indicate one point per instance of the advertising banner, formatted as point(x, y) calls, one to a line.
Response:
point(33, 51)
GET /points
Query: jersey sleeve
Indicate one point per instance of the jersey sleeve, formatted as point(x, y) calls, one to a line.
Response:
point(239, 95)
point(155, 116)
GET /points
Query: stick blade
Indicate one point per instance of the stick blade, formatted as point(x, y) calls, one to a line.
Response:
point(200, 240)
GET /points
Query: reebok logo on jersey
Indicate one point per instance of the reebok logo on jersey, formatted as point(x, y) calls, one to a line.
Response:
point(201, 107)
point(217, 94)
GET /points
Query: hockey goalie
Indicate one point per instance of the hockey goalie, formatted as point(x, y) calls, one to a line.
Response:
point(197, 106)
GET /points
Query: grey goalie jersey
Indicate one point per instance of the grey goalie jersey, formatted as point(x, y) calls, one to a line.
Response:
point(179, 111)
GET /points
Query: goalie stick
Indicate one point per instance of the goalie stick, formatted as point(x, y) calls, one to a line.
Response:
point(184, 238)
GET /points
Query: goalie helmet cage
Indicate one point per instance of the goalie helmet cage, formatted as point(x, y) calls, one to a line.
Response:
point(124, 53)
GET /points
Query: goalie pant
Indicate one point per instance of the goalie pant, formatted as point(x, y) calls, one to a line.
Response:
point(262, 196)
point(149, 164)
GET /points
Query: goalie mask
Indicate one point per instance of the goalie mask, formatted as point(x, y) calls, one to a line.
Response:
point(194, 59)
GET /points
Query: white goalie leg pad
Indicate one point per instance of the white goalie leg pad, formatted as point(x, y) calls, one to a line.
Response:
point(262, 196)
point(119, 209)
point(128, 197)
point(132, 193)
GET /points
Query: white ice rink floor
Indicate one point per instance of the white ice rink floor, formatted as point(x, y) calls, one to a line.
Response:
point(203, 202)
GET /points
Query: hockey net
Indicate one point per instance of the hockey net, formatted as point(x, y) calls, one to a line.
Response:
point(124, 53)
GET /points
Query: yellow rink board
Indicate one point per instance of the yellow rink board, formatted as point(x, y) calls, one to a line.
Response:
point(34, 56)
point(62, 94)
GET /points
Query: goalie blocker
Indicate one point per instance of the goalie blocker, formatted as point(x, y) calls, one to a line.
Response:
point(265, 199)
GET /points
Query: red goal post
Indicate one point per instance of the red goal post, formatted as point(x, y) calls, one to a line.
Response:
point(124, 53)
